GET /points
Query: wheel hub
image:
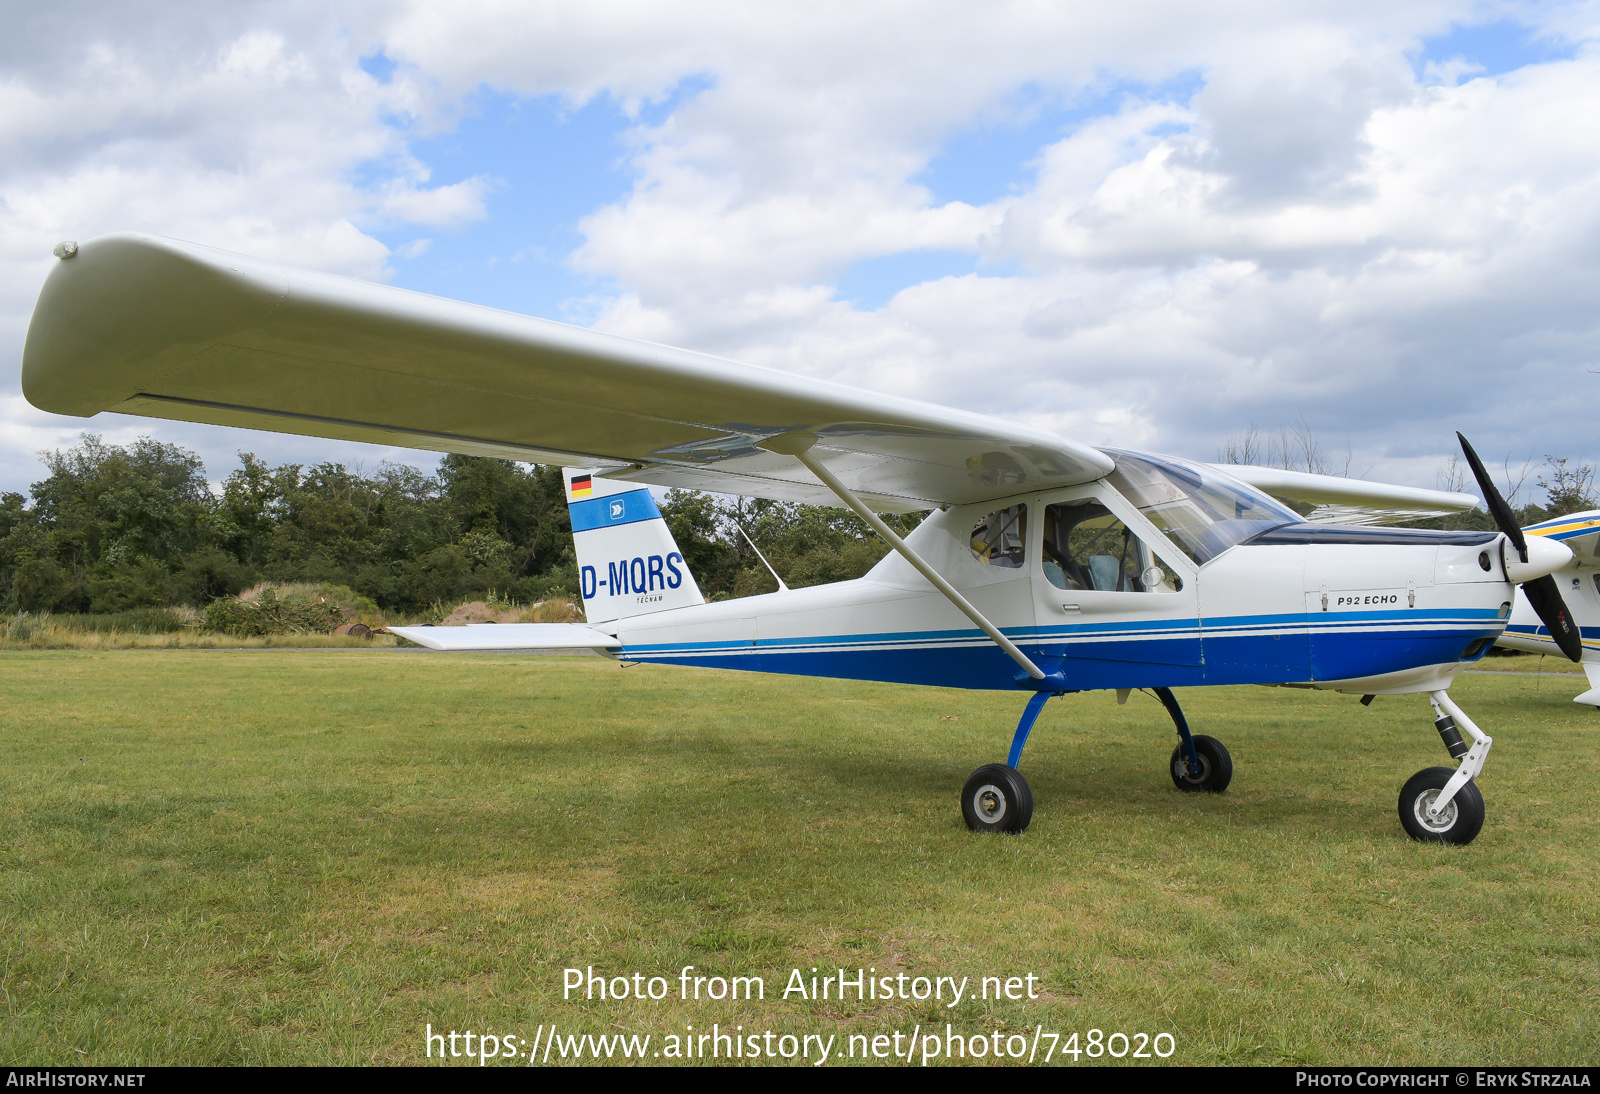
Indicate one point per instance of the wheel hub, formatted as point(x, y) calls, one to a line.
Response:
point(1441, 822)
point(990, 802)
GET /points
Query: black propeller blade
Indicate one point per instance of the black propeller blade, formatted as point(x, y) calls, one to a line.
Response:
point(1542, 593)
point(1545, 596)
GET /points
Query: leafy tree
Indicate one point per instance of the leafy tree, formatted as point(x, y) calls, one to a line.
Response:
point(107, 526)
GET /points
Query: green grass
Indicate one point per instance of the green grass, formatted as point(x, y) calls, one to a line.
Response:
point(279, 857)
point(1537, 663)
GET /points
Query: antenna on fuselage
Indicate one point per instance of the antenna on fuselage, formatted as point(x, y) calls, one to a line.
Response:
point(782, 588)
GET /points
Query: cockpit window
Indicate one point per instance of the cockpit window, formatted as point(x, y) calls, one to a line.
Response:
point(1200, 509)
point(998, 538)
point(1087, 547)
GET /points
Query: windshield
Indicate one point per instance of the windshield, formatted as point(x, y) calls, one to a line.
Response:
point(1200, 509)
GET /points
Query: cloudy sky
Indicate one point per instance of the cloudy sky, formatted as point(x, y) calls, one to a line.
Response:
point(1145, 224)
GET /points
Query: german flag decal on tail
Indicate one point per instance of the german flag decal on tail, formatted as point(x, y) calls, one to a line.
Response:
point(582, 486)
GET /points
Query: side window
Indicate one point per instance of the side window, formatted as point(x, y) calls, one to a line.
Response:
point(998, 538)
point(1087, 547)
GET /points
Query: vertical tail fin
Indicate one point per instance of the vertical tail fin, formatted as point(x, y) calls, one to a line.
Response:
point(628, 562)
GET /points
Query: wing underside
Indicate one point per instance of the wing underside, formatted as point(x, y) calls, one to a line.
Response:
point(150, 326)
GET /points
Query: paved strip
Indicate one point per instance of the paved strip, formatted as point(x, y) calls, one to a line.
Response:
point(1510, 672)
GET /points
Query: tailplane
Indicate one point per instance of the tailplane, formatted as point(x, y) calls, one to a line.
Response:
point(628, 562)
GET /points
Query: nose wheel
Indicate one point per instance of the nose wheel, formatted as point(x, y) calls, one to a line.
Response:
point(1458, 822)
point(997, 799)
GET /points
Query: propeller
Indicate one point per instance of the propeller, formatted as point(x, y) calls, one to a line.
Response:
point(1542, 592)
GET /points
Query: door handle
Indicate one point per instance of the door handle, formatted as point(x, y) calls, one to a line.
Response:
point(1071, 608)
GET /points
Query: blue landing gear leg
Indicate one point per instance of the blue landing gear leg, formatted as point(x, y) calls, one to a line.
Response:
point(1198, 763)
point(996, 797)
point(1030, 715)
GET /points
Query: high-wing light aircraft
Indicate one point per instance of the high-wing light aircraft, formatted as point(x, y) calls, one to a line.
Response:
point(1579, 582)
point(1046, 568)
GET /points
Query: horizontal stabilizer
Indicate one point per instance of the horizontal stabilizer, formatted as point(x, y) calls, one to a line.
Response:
point(1351, 501)
point(510, 636)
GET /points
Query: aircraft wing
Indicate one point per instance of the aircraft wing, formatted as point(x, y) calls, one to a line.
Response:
point(143, 325)
point(1351, 501)
point(510, 636)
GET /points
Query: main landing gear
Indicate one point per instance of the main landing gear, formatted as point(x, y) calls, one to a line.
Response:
point(996, 798)
point(1441, 805)
point(1198, 763)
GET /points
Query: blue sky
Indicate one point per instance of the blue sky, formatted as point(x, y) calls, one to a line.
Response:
point(1492, 48)
point(549, 166)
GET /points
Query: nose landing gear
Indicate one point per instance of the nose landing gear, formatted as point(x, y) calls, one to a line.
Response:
point(1440, 805)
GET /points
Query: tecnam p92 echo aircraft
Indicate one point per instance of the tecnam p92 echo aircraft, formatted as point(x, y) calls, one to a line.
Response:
point(1046, 567)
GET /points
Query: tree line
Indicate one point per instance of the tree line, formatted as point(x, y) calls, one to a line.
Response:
point(112, 528)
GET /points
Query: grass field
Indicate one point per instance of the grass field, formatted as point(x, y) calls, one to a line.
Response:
point(306, 857)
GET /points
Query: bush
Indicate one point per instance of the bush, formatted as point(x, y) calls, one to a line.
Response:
point(346, 599)
point(128, 585)
point(267, 614)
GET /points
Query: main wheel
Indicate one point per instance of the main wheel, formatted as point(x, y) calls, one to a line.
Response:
point(1461, 820)
point(1216, 766)
point(996, 799)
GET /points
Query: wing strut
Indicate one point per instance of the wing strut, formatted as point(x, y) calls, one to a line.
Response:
point(916, 560)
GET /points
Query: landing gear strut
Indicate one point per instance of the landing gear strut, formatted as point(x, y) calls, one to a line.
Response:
point(1440, 805)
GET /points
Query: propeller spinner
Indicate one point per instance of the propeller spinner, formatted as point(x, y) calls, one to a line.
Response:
point(1542, 592)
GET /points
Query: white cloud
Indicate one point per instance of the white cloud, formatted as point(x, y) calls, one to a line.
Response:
point(1315, 232)
point(440, 207)
point(244, 128)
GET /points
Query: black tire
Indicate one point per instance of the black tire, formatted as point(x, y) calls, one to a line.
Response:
point(996, 799)
point(1216, 766)
point(1462, 819)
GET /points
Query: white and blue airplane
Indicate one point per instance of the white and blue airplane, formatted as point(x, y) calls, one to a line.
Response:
point(1047, 567)
point(1579, 582)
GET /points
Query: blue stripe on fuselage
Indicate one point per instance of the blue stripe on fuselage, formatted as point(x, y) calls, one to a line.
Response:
point(1144, 653)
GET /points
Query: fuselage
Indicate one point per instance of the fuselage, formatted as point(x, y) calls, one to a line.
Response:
point(1115, 584)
